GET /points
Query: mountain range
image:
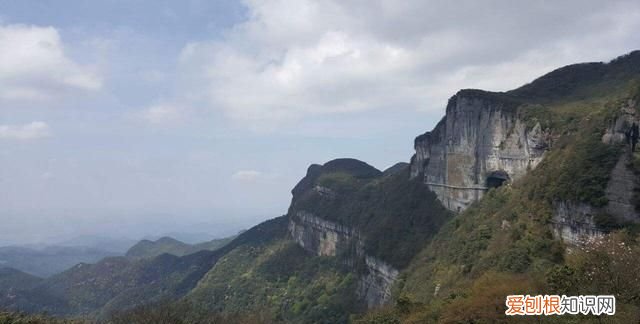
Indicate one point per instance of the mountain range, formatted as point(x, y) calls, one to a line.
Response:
point(529, 191)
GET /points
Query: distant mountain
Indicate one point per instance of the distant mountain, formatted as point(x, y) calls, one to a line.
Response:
point(187, 237)
point(534, 190)
point(47, 261)
point(119, 283)
point(11, 279)
point(149, 249)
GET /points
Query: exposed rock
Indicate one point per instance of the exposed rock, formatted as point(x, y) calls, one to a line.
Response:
point(323, 237)
point(574, 223)
point(481, 135)
point(324, 191)
point(617, 130)
point(326, 238)
point(306, 183)
point(620, 192)
point(375, 286)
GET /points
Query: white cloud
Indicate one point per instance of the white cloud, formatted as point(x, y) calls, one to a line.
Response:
point(30, 131)
point(344, 56)
point(247, 175)
point(33, 65)
point(164, 114)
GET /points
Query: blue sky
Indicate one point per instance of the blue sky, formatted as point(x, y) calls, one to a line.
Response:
point(143, 117)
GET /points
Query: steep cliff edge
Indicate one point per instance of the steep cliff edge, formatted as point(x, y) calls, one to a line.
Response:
point(373, 222)
point(577, 221)
point(326, 238)
point(444, 232)
point(566, 223)
point(488, 139)
point(480, 143)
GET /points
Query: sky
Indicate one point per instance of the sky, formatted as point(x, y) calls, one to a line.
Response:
point(140, 117)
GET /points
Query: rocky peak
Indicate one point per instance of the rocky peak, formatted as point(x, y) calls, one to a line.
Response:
point(353, 167)
point(481, 142)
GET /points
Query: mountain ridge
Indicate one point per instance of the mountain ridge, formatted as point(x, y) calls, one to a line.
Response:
point(476, 215)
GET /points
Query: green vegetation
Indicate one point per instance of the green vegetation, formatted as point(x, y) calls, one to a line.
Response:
point(578, 167)
point(395, 215)
point(504, 243)
point(12, 278)
point(150, 249)
point(281, 279)
point(185, 313)
point(20, 318)
point(120, 283)
point(456, 268)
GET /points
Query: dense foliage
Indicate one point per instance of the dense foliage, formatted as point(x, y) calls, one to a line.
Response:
point(119, 283)
point(504, 244)
point(21, 318)
point(395, 215)
point(457, 268)
point(283, 279)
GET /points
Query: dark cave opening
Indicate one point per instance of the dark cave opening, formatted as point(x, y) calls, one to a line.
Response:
point(496, 179)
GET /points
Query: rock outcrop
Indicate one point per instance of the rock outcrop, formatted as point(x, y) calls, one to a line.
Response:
point(575, 223)
point(479, 144)
point(374, 222)
point(325, 238)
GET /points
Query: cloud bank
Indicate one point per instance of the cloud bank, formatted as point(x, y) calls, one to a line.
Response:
point(292, 60)
point(34, 66)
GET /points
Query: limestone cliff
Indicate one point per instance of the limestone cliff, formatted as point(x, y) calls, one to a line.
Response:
point(484, 141)
point(576, 223)
point(480, 143)
point(326, 238)
point(373, 222)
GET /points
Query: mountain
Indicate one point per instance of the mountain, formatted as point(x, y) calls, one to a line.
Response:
point(149, 249)
point(119, 283)
point(545, 188)
point(45, 261)
point(11, 279)
point(146, 248)
point(529, 191)
point(48, 260)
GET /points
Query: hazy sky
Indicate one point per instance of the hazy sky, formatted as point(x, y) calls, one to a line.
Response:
point(140, 117)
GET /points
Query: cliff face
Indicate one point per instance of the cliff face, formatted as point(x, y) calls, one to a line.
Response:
point(326, 238)
point(576, 223)
point(480, 143)
point(373, 222)
point(483, 142)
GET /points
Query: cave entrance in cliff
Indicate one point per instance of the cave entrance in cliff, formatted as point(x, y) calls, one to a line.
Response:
point(496, 179)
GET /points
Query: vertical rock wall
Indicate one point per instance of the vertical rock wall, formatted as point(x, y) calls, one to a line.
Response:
point(326, 238)
point(575, 223)
point(480, 138)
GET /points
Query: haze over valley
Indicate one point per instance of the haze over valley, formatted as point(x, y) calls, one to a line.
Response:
point(301, 161)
